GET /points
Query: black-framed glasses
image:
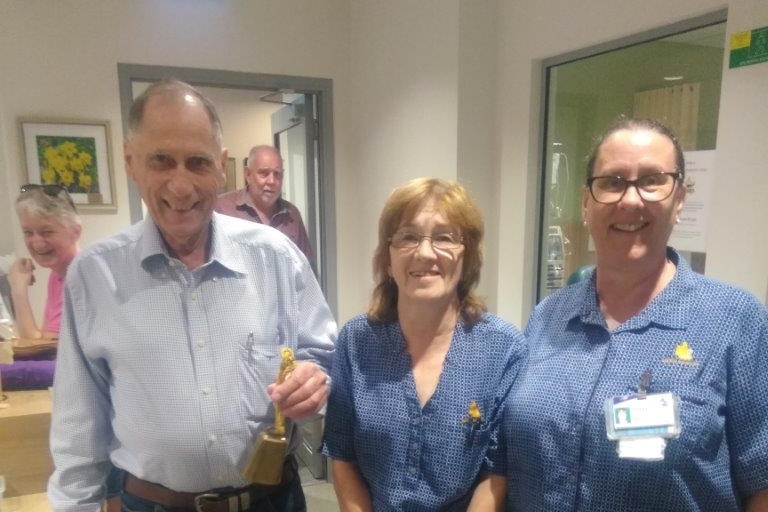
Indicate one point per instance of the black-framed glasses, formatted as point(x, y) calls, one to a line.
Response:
point(447, 241)
point(651, 187)
point(51, 190)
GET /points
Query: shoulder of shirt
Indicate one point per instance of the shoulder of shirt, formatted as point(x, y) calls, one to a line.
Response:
point(94, 255)
point(249, 233)
point(122, 240)
point(569, 298)
point(359, 322)
point(490, 322)
point(720, 295)
point(361, 327)
point(287, 204)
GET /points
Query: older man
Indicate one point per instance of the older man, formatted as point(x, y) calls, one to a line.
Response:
point(172, 333)
point(261, 200)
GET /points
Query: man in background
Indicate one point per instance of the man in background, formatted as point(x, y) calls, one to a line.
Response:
point(261, 199)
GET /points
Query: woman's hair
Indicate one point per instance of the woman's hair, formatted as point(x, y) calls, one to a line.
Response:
point(450, 199)
point(626, 123)
point(42, 203)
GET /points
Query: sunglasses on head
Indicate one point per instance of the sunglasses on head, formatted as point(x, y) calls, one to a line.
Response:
point(51, 190)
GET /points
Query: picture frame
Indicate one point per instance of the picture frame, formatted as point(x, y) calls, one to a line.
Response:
point(230, 174)
point(75, 154)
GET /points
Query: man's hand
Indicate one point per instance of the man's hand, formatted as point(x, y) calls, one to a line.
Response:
point(303, 393)
point(21, 274)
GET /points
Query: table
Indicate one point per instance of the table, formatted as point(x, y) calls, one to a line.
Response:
point(27, 503)
point(25, 457)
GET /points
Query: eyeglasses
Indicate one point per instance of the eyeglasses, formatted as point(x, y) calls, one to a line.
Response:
point(651, 187)
point(442, 241)
point(50, 190)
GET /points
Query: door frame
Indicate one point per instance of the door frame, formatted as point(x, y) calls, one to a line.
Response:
point(322, 88)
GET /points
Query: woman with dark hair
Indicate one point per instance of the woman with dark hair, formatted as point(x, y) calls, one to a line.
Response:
point(646, 383)
point(51, 229)
point(416, 382)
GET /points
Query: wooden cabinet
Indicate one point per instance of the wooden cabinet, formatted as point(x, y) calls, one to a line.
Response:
point(25, 456)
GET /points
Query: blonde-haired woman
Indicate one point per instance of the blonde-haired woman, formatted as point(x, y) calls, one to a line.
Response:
point(416, 382)
point(51, 229)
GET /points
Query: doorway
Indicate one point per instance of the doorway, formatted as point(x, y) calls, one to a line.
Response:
point(320, 213)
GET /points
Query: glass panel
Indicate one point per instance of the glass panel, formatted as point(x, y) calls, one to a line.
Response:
point(675, 80)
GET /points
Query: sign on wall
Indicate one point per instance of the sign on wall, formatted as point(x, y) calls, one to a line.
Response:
point(690, 232)
point(749, 47)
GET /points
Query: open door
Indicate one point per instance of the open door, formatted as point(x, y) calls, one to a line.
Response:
point(295, 135)
point(294, 130)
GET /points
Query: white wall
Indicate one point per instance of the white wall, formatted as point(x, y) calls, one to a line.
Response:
point(477, 138)
point(532, 31)
point(737, 248)
point(403, 100)
point(434, 87)
point(59, 59)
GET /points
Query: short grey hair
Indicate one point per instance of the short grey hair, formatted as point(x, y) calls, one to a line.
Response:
point(38, 203)
point(172, 88)
point(257, 149)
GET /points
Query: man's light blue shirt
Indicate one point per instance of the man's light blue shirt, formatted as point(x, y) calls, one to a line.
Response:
point(164, 370)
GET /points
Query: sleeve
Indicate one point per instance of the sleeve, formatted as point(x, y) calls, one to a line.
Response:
point(80, 425)
point(747, 423)
point(53, 305)
point(496, 456)
point(340, 415)
point(303, 243)
point(316, 326)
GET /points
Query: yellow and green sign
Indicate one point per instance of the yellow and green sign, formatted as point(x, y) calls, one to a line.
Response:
point(749, 47)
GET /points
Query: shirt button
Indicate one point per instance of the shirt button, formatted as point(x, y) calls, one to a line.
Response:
point(412, 470)
point(212, 438)
point(200, 343)
point(206, 390)
point(414, 446)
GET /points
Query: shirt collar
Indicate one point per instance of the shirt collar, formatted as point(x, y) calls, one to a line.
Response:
point(668, 308)
point(243, 200)
point(223, 251)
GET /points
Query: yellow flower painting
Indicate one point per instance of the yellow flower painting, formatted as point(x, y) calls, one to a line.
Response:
point(68, 161)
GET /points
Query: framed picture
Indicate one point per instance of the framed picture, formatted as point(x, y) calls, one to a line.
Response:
point(74, 154)
point(230, 175)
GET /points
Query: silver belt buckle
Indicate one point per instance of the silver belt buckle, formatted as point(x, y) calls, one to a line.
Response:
point(199, 503)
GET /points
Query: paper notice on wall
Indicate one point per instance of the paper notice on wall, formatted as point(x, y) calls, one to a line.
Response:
point(690, 233)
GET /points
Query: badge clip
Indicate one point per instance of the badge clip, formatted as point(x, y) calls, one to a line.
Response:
point(644, 385)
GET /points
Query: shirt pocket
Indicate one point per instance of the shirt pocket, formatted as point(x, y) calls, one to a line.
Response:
point(702, 420)
point(258, 366)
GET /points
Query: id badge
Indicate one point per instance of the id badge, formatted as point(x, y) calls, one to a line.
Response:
point(636, 416)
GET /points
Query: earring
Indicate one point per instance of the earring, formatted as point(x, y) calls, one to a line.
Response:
point(677, 219)
point(584, 222)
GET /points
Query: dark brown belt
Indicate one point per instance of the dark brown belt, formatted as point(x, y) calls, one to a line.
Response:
point(217, 500)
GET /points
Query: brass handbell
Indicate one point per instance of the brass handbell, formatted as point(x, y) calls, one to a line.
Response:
point(265, 465)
